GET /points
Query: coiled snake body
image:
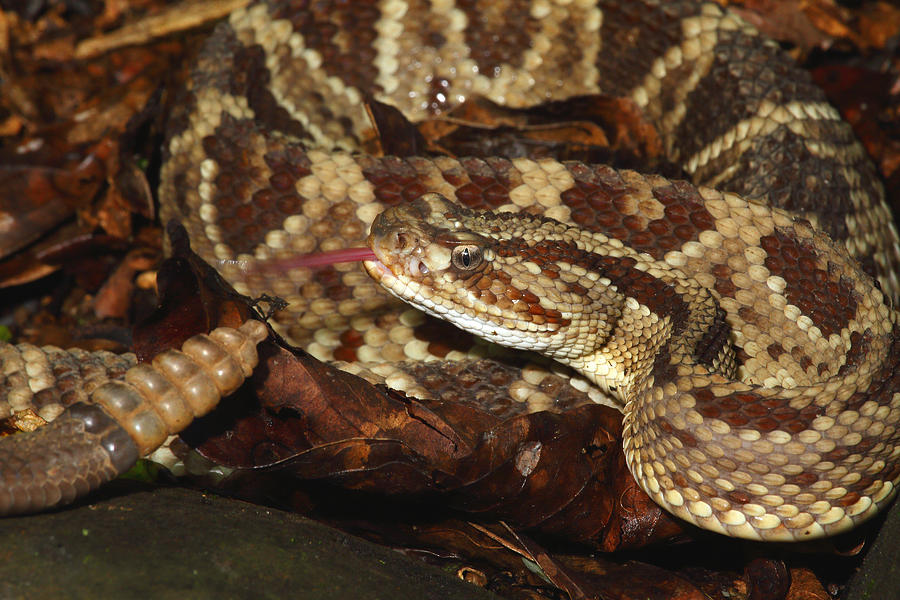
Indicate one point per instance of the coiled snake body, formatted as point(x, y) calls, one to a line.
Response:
point(757, 360)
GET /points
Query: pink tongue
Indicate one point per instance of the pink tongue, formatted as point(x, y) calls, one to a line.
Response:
point(320, 259)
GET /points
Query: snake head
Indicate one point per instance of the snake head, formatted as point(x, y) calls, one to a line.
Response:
point(423, 248)
point(460, 266)
point(408, 241)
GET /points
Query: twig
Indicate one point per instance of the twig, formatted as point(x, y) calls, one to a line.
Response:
point(179, 17)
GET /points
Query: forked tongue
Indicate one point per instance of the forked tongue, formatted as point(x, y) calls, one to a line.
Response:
point(311, 260)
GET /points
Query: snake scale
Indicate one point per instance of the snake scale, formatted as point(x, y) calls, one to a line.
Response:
point(756, 361)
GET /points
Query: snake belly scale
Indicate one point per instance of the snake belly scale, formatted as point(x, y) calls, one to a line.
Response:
point(755, 358)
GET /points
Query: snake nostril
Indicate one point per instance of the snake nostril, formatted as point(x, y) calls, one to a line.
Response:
point(401, 240)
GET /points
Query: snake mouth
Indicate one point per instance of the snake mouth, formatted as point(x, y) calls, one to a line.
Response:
point(395, 267)
point(392, 277)
point(390, 254)
point(409, 267)
point(397, 247)
point(377, 270)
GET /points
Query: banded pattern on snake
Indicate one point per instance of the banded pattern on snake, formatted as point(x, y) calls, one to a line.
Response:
point(756, 359)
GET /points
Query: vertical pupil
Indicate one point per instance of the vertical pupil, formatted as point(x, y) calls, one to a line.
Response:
point(465, 257)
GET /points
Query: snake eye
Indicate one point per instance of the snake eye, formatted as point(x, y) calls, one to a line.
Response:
point(467, 257)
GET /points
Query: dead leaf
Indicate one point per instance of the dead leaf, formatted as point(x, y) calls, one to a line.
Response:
point(38, 197)
point(603, 129)
point(806, 586)
point(879, 22)
point(114, 298)
point(767, 579)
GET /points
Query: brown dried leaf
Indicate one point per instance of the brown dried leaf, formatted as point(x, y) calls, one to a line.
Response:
point(22, 269)
point(68, 108)
point(38, 197)
point(193, 299)
point(169, 20)
point(806, 586)
point(563, 474)
point(879, 22)
point(830, 19)
point(809, 24)
point(633, 580)
point(514, 565)
point(806, 24)
point(588, 128)
point(393, 133)
point(88, 257)
point(767, 578)
point(114, 298)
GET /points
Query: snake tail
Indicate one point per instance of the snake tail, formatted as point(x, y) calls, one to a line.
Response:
point(94, 441)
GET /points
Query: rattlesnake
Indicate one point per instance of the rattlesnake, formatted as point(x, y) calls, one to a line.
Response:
point(271, 155)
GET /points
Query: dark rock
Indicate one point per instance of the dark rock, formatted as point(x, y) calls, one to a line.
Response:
point(178, 543)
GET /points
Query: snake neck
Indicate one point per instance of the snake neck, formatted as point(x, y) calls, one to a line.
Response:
point(532, 283)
